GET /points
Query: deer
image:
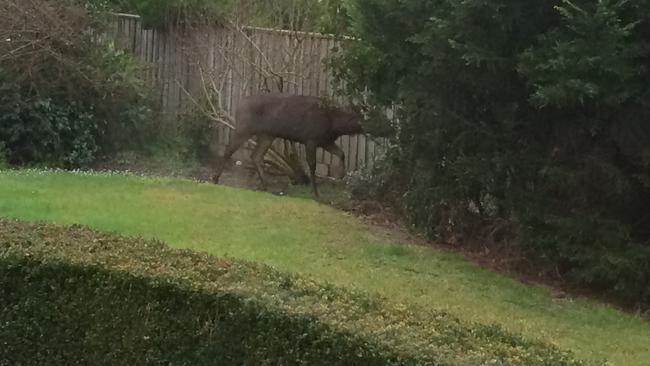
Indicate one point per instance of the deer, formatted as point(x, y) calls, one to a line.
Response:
point(308, 120)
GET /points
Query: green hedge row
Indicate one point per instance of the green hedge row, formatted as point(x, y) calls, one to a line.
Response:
point(72, 296)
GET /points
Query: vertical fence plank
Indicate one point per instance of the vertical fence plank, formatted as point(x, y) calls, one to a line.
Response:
point(354, 152)
point(345, 146)
point(132, 35)
point(361, 151)
point(370, 153)
point(140, 40)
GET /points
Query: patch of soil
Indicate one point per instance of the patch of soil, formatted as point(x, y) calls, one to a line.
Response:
point(236, 173)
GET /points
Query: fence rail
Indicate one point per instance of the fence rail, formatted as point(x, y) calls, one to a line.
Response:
point(211, 67)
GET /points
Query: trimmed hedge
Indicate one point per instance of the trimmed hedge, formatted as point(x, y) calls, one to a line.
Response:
point(73, 296)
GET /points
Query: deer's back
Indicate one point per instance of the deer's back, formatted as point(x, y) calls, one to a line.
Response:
point(292, 117)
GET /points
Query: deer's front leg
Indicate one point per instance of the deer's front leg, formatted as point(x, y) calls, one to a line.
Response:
point(310, 148)
point(334, 149)
point(237, 141)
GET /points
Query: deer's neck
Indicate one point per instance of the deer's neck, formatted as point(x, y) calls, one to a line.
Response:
point(345, 123)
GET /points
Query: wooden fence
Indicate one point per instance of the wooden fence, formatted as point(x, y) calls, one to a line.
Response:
point(208, 68)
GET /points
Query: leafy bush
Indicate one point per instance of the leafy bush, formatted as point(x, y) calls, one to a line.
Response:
point(125, 104)
point(528, 112)
point(74, 296)
point(197, 135)
point(39, 130)
point(67, 94)
point(371, 181)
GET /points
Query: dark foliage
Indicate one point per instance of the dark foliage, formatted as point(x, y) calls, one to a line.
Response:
point(36, 129)
point(529, 112)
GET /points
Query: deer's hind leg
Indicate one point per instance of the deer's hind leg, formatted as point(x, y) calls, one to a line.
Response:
point(237, 141)
point(264, 143)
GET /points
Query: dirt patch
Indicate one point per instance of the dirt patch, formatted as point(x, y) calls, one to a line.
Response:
point(236, 173)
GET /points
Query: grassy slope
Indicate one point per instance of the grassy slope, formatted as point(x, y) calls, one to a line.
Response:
point(301, 236)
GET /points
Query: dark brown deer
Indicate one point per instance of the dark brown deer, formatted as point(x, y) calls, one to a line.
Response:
point(307, 120)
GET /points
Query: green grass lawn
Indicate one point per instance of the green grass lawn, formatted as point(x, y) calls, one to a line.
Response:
point(299, 235)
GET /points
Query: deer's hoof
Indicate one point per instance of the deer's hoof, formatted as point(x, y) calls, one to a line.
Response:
point(262, 188)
